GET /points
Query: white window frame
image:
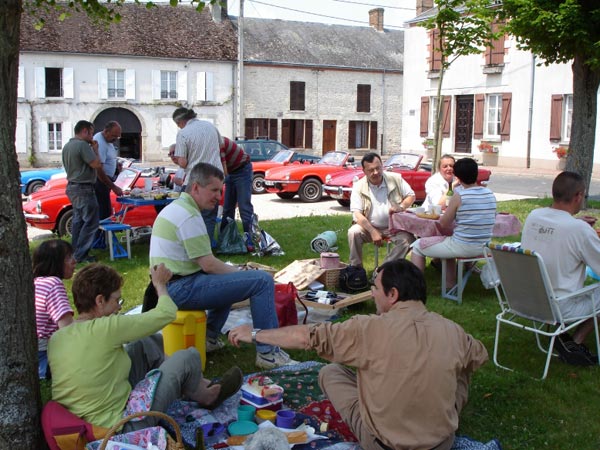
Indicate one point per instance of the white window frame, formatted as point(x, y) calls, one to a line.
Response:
point(115, 84)
point(567, 117)
point(168, 85)
point(55, 139)
point(493, 116)
point(433, 108)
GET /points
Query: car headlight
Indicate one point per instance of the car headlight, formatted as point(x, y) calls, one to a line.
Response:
point(327, 178)
point(38, 207)
point(287, 177)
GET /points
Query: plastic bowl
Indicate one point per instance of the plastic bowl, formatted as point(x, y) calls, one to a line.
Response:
point(264, 414)
point(242, 428)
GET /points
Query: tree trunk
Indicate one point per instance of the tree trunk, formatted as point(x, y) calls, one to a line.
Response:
point(19, 386)
point(583, 125)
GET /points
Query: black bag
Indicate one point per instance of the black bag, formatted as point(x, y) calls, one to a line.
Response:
point(230, 240)
point(353, 279)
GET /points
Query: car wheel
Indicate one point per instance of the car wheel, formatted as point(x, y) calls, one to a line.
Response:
point(344, 203)
point(65, 224)
point(286, 195)
point(311, 191)
point(258, 183)
point(34, 186)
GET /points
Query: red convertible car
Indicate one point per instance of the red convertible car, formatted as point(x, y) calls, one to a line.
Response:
point(280, 159)
point(50, 209)
point(409, 165)
point(307, 180)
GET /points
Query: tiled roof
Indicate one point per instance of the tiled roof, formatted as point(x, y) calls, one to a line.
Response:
point(163, 32)
point(276, 41)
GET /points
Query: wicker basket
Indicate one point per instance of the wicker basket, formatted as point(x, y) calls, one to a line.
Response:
point(331, 277)
point(171, 444)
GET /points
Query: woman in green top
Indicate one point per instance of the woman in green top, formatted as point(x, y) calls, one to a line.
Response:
point(93, 374)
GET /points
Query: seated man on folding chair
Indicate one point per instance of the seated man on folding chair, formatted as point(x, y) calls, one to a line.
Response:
point(473, 208)
point(567, 245)
point(373, 199)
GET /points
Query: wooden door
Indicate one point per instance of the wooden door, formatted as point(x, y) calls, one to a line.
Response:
point(329, 132)
point(463, 135)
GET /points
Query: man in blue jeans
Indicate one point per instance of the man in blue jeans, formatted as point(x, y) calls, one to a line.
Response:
point(80, 159)
point(200, 280)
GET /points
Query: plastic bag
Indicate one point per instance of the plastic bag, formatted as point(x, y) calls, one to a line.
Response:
point(230, 240)
point(264, 244)
point(489, 275)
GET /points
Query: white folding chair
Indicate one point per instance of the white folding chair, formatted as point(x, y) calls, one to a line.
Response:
point(525, 295)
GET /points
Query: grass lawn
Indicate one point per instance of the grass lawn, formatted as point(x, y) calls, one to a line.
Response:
point(523, 413)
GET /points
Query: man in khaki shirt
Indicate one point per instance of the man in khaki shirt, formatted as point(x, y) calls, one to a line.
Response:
point(413, 367)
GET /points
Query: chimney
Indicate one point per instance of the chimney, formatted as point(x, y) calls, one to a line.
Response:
point(376, 18)
point(423, 6)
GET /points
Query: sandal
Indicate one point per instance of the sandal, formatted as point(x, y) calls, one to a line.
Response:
point(230, 382)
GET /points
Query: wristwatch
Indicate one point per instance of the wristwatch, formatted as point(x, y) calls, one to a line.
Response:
point(254, 333)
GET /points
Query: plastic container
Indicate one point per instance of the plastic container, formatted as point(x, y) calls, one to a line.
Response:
point(263, 415)
point(251, 396)
point(213, 433)
point(242, 428)
point(187, 330)
point(273, 406)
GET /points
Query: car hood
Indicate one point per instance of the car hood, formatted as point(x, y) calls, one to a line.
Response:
point(345, 178)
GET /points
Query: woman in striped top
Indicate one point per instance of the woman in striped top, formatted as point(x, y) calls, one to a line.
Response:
point(473, 208)
point(53, 262)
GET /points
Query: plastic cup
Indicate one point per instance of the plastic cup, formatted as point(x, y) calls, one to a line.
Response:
point(437, 209)
point(246, 412)
point(285, 418)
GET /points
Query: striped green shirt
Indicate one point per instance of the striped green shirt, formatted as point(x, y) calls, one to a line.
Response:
point(179, 237)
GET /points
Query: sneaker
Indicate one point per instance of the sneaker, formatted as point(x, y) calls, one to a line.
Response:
point(214, 344)
point(573, 353)
point(274, 358)
point(249, 243)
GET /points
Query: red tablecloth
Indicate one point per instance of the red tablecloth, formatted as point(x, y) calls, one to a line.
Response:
point(431, 232)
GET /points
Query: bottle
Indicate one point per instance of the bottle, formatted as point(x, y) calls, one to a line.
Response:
point(449, 194)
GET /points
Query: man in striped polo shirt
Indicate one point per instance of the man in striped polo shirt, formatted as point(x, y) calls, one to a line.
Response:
point(203, 282)
point(238, 186)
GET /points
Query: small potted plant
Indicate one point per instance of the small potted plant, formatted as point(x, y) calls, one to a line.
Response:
point(487, 147)
point(428, 143)
point(489, 152)
point(561, 154)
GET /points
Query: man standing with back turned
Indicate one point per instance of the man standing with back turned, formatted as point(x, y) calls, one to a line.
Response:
point(80, 160)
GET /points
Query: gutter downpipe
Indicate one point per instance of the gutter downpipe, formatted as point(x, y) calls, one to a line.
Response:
point(240, 73)
point(383, 109)
point(530, 118)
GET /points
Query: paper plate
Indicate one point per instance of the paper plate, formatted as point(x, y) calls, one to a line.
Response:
point(242, 428)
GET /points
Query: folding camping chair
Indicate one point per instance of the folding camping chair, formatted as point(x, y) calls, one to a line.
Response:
point(525, 294)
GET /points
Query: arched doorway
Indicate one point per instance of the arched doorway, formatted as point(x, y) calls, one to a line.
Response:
point(130, 145)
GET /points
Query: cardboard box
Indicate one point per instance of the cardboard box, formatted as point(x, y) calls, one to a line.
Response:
point(302, 272)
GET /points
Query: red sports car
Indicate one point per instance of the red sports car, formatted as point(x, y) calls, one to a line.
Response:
point(409, 165)
point(281, 158)
point(50, 209)
point(307, 180)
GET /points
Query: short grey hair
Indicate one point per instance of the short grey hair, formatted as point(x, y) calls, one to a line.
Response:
point(201, 173)
point(269, 438)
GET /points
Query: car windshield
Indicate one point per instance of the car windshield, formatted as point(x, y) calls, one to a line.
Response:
point(408, 160)
point(281, 156)
point(126, 178)
point(334, 158)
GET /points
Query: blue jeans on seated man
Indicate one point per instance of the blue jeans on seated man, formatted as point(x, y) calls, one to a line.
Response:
point(238, 191)
point(85, 218)
point(216, 294)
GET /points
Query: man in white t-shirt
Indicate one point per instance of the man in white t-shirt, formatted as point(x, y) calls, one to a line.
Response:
point(374, 197)
point(567, 246)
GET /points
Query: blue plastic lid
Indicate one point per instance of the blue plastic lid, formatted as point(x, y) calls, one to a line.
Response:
point(242, 428)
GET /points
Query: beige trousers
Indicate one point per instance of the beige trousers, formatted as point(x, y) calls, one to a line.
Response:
point(357, 236)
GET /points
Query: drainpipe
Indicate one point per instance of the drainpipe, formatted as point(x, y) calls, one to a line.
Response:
point(383, 108)
point(530, 118)
point(240, 71)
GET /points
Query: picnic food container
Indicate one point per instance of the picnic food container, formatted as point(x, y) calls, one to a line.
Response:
point(265, 394)
point(246, 412)
point(242, 428)
point(263, 415)
point(213, 433)
point(330, 260)
point(271, 406)
point(187, 330)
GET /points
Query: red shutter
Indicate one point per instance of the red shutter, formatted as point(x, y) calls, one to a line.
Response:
point(351, 134)
point(285, 132)
point(424, 116)
point(308, 134)
point(494, 54)
point(479, 108)
point(373, 136)
point(556, 117)
point(446, 116)
point(505, 123)
point(435, 53)
point(273, 129)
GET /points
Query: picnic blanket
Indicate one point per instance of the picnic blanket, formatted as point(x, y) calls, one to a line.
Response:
point(324, 242)
point(303, 395)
